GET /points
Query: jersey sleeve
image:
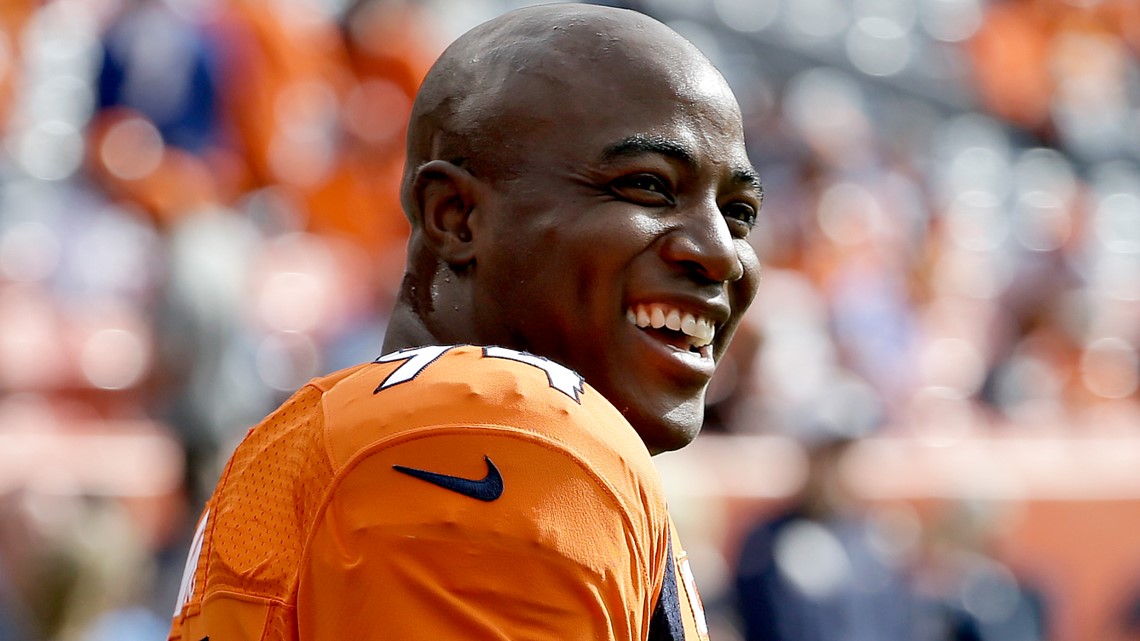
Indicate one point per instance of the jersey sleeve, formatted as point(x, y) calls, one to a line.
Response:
point(242, 564)
point(420, 540)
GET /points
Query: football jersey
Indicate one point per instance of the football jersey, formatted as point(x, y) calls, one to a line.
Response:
point(439, 493)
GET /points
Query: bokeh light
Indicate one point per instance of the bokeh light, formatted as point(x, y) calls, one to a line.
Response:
point(747, 15)
point(51, 150)
point(29, 251)
point(132, 148)
point(1110, 367)
point(816, 20)
point(951, 20)
point(114, 358)
point(879, 46)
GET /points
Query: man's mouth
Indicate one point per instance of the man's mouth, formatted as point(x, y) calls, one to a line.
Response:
point(683, 330)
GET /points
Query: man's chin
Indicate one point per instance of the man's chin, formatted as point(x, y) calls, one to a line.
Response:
point(670, 430)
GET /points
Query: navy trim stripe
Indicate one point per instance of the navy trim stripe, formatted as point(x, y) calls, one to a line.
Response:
point(666, 623)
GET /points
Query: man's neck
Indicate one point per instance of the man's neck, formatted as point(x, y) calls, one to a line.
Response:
point(406, 329)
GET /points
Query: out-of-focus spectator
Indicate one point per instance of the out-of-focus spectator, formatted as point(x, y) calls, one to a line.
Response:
point(318, 103)
point(1061, 69)
point(824, 568)
point(157, 138)
point(13, 16)
point(1128, 617)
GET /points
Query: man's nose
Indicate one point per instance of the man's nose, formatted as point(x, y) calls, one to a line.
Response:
point(703, 245)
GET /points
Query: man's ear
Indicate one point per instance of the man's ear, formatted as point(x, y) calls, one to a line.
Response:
point(446, 195)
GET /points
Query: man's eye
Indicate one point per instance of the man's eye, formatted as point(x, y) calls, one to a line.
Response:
point(644, 188)
point(742, 212)
point(648, 183)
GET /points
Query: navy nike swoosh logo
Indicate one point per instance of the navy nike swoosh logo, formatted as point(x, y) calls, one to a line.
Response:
point(488, 488)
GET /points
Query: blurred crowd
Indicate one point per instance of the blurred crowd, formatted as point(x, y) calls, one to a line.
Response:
point(199, 211)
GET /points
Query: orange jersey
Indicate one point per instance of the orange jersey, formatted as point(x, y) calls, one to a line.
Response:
point(439, 493)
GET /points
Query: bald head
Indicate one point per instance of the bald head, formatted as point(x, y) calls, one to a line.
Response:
point(494, 91)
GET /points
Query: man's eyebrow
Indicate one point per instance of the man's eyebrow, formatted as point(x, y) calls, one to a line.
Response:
point(640, 144)
point(750, 177)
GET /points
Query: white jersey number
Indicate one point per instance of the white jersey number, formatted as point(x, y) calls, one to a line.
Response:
point(561, 378)
point(186, 589)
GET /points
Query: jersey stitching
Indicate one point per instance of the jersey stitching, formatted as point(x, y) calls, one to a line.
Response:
point(252, 598)
point(267, 622)
point(427, 432)
point(325, 442)
point(317, 383)
point(195, 605)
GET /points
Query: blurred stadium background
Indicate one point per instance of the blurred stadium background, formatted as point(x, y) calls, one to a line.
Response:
point(198, 213)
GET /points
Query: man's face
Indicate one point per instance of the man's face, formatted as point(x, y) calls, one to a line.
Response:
point(629, 207)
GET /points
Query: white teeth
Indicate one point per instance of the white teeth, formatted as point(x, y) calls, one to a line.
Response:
point(702, 330)
point(642, 317)
point(689, 325)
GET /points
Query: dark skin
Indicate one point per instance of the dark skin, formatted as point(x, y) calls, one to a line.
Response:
point(573, 171)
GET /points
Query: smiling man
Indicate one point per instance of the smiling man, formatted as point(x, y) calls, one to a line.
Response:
point(580, 200)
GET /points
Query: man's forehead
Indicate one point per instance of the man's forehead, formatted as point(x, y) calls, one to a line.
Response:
point(687, 100)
